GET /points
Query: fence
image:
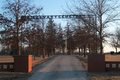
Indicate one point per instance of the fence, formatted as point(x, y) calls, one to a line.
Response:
point(112, 66)
point(6, 67)
point(20, 64)
point(97, 63)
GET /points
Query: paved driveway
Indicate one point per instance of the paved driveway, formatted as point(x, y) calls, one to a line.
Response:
point(63, 67)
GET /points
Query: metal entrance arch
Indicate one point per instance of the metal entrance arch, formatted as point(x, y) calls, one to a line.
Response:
point(79, 17)
point(55, 17)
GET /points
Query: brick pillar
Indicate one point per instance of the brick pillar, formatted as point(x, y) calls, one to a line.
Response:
point(23, 63)
point(96, 63)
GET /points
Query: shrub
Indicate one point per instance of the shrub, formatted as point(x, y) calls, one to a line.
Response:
point(112, 52)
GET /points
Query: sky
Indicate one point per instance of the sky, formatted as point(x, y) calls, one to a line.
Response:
point(55, 7)
point(51, 7)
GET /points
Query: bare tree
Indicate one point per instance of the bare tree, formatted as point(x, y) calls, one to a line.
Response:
point(50, 36)
point(115, 42)
point(60, 42)
point(105, 11)
point(13, 10)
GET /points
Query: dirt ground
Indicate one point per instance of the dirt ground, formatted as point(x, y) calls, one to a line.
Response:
point(18, 75)
point(102, 75)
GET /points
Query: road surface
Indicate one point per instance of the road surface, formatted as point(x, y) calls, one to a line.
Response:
point(62, 67)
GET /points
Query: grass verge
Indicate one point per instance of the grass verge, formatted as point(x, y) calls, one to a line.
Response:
point(19, 75)
point(99, 75)
point(83, 61)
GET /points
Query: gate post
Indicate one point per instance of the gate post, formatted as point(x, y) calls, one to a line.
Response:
point(96, 63)
point(22, 63)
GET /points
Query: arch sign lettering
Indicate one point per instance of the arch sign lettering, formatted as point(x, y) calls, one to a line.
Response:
point(54, 17)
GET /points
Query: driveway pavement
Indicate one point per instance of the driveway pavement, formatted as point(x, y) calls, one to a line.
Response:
point(62, 67)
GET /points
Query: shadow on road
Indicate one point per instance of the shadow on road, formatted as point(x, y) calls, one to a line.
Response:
point(62, 75)
point(41, 66)
point(59, 68)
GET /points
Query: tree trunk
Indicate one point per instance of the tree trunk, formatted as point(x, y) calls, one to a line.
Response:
point(63, 50)
point(72, 52)
point(17, 25)
point(52, 52)
point(29, 49)
point(116, 49)
point(84, 51)
point(34, 56)
point(101, 44)
point(48, 54)
point(8, 50)
point(101, 29)
point(96, 45)
point(89, 50)
point(19, 49)
point(18, 40)
point(44, 52)
point(79, 50)
point(34, 52)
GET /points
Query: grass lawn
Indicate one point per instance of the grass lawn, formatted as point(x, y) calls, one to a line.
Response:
point(101, 75)
point(19, 75)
